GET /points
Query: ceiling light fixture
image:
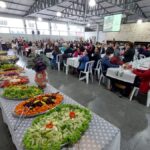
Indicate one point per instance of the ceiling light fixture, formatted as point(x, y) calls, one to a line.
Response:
point(58, 14)
point(88, 25)
point(92, 3)
point(2, 4)
point(39, 19)
point(139, 21)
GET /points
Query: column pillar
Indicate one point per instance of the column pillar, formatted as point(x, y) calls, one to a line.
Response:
point(50, 28)
point(25, 26)
point(97, 33)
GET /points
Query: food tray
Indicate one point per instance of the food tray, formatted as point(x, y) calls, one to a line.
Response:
point(30, 116)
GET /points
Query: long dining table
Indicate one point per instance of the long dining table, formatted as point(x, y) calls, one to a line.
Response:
point(126, 75)
point(101, 134)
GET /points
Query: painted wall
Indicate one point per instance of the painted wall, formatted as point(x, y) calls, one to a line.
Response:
point(131, 32)
point(9, 37)
point(90, 35)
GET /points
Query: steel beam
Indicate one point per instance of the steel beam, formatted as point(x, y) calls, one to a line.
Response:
point(130, 5)
point(10, 2)
point(15, 9)
point(43, 4)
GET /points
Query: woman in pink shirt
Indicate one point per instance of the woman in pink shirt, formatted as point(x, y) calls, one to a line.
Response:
point(77, 53)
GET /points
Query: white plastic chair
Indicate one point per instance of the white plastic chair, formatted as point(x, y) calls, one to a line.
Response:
point(59, 60)
point(135, 57)
point(88, 71)
point(97, 69)
point(148, 99)
point(101, 76)
point(134, 92)
point(141, 56)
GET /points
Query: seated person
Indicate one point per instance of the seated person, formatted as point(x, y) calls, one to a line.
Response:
point(96, 57)
point(129, 52)
point(144, 76)
point(67, 54)
point(140, 49)
point(77, 53)
point(102, 49)
point(63, 47)
point(111, 47)
point(47, 49)
point(55, 52)
point(147, 52)
point(83, 60)
point(106, 62)
point(116, 59)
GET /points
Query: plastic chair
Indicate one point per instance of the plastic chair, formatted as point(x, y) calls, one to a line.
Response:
point(88, 71)
point(97, 69)
point(134, 92)
point(148, 99)
point(59, 60)
point(101, 76)
point(141, 56)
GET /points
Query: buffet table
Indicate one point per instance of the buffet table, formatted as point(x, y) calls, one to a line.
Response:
point(101, 135)
point(73, 62)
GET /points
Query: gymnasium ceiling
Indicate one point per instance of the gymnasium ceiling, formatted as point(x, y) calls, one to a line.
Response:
point(78, 11)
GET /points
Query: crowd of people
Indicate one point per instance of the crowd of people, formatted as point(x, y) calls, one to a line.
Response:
point(113, 55)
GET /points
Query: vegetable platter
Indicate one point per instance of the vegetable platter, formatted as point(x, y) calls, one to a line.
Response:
point(38, 105)
point(60, 126)
point(21, 92)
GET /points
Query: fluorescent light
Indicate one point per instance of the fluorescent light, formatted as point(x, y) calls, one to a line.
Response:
point(92, 3)
point(88, 25)
point(139, 21)
point(39, 19)
point(58, 14)
point(2, 4)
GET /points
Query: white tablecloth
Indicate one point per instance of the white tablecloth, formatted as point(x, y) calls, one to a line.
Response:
point(101, 135)
point(38, 51)
point(142, 63)
point(49, 55)
point(122, 75)
point(73, 62)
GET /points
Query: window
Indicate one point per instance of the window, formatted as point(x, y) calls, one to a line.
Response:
point(44, 32)
point(76, 30)
point(59, 29)
point(12, 25)
point(4, 30)
point(31, 26)
point(55, 32)
point(17, 31)
point(43, 27)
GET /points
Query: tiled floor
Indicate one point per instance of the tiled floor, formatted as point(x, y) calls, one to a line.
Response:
point(132, 118)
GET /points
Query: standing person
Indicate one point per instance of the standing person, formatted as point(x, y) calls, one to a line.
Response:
point(129, 53)
point(19, 47)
